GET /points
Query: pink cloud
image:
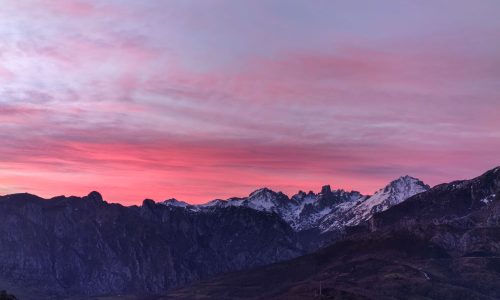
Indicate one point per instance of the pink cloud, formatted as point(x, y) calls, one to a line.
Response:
point(98, 102)
point(78, 8)
point(71, 9)
point(5, 74)
point(352, 72)
point(197, 171)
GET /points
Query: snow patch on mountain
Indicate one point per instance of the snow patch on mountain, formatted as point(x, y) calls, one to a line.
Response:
point(175, 203)
point(488, 199)
point(214, 203)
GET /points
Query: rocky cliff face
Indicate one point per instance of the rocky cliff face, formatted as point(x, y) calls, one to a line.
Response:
point(85, 246)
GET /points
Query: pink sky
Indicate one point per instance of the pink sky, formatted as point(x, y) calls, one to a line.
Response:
point(211, 99)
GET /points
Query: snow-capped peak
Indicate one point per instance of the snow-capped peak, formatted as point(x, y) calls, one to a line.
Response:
point(394, 193)
point(262, 191)
point(364, 207)
point(267, 200)
point(406, 184)
point(404, 187)
point(175, 202)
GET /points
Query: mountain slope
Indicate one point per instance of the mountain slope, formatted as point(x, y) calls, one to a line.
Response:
point(397, 266)
point(394, 193)
point(363, 209)
point(85, 246)
point(440, 244)
point(446, 202)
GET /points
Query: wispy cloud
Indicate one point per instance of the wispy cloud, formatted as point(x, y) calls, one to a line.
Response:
point(195, 101)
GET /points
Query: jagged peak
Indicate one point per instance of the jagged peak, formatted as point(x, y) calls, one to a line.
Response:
point(174, 202)
point(95, 196)
point(148, 202)
point(407, 178)
point(171, 200)
point(405, 181)
point(262, 191)
point(326, 189)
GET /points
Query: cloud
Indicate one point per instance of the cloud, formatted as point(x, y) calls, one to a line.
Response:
point(5, 74)
point(158, 100)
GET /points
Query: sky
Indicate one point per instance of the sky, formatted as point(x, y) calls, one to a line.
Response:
point(200, 100)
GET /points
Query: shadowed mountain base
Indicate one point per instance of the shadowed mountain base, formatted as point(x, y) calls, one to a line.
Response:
point(395, 267)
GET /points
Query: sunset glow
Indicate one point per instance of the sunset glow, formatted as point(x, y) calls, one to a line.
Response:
point(200, 100)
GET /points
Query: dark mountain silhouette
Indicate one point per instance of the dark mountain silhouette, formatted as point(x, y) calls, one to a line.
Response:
point(85, 246)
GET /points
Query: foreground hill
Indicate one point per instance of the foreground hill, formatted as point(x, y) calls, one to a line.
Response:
point(439, 244)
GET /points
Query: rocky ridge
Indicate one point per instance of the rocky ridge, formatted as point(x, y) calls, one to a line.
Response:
point(328, 210)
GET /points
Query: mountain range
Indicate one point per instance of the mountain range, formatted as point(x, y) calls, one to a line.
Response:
point(327, 210)
point(68, 247)
point(443, 243)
